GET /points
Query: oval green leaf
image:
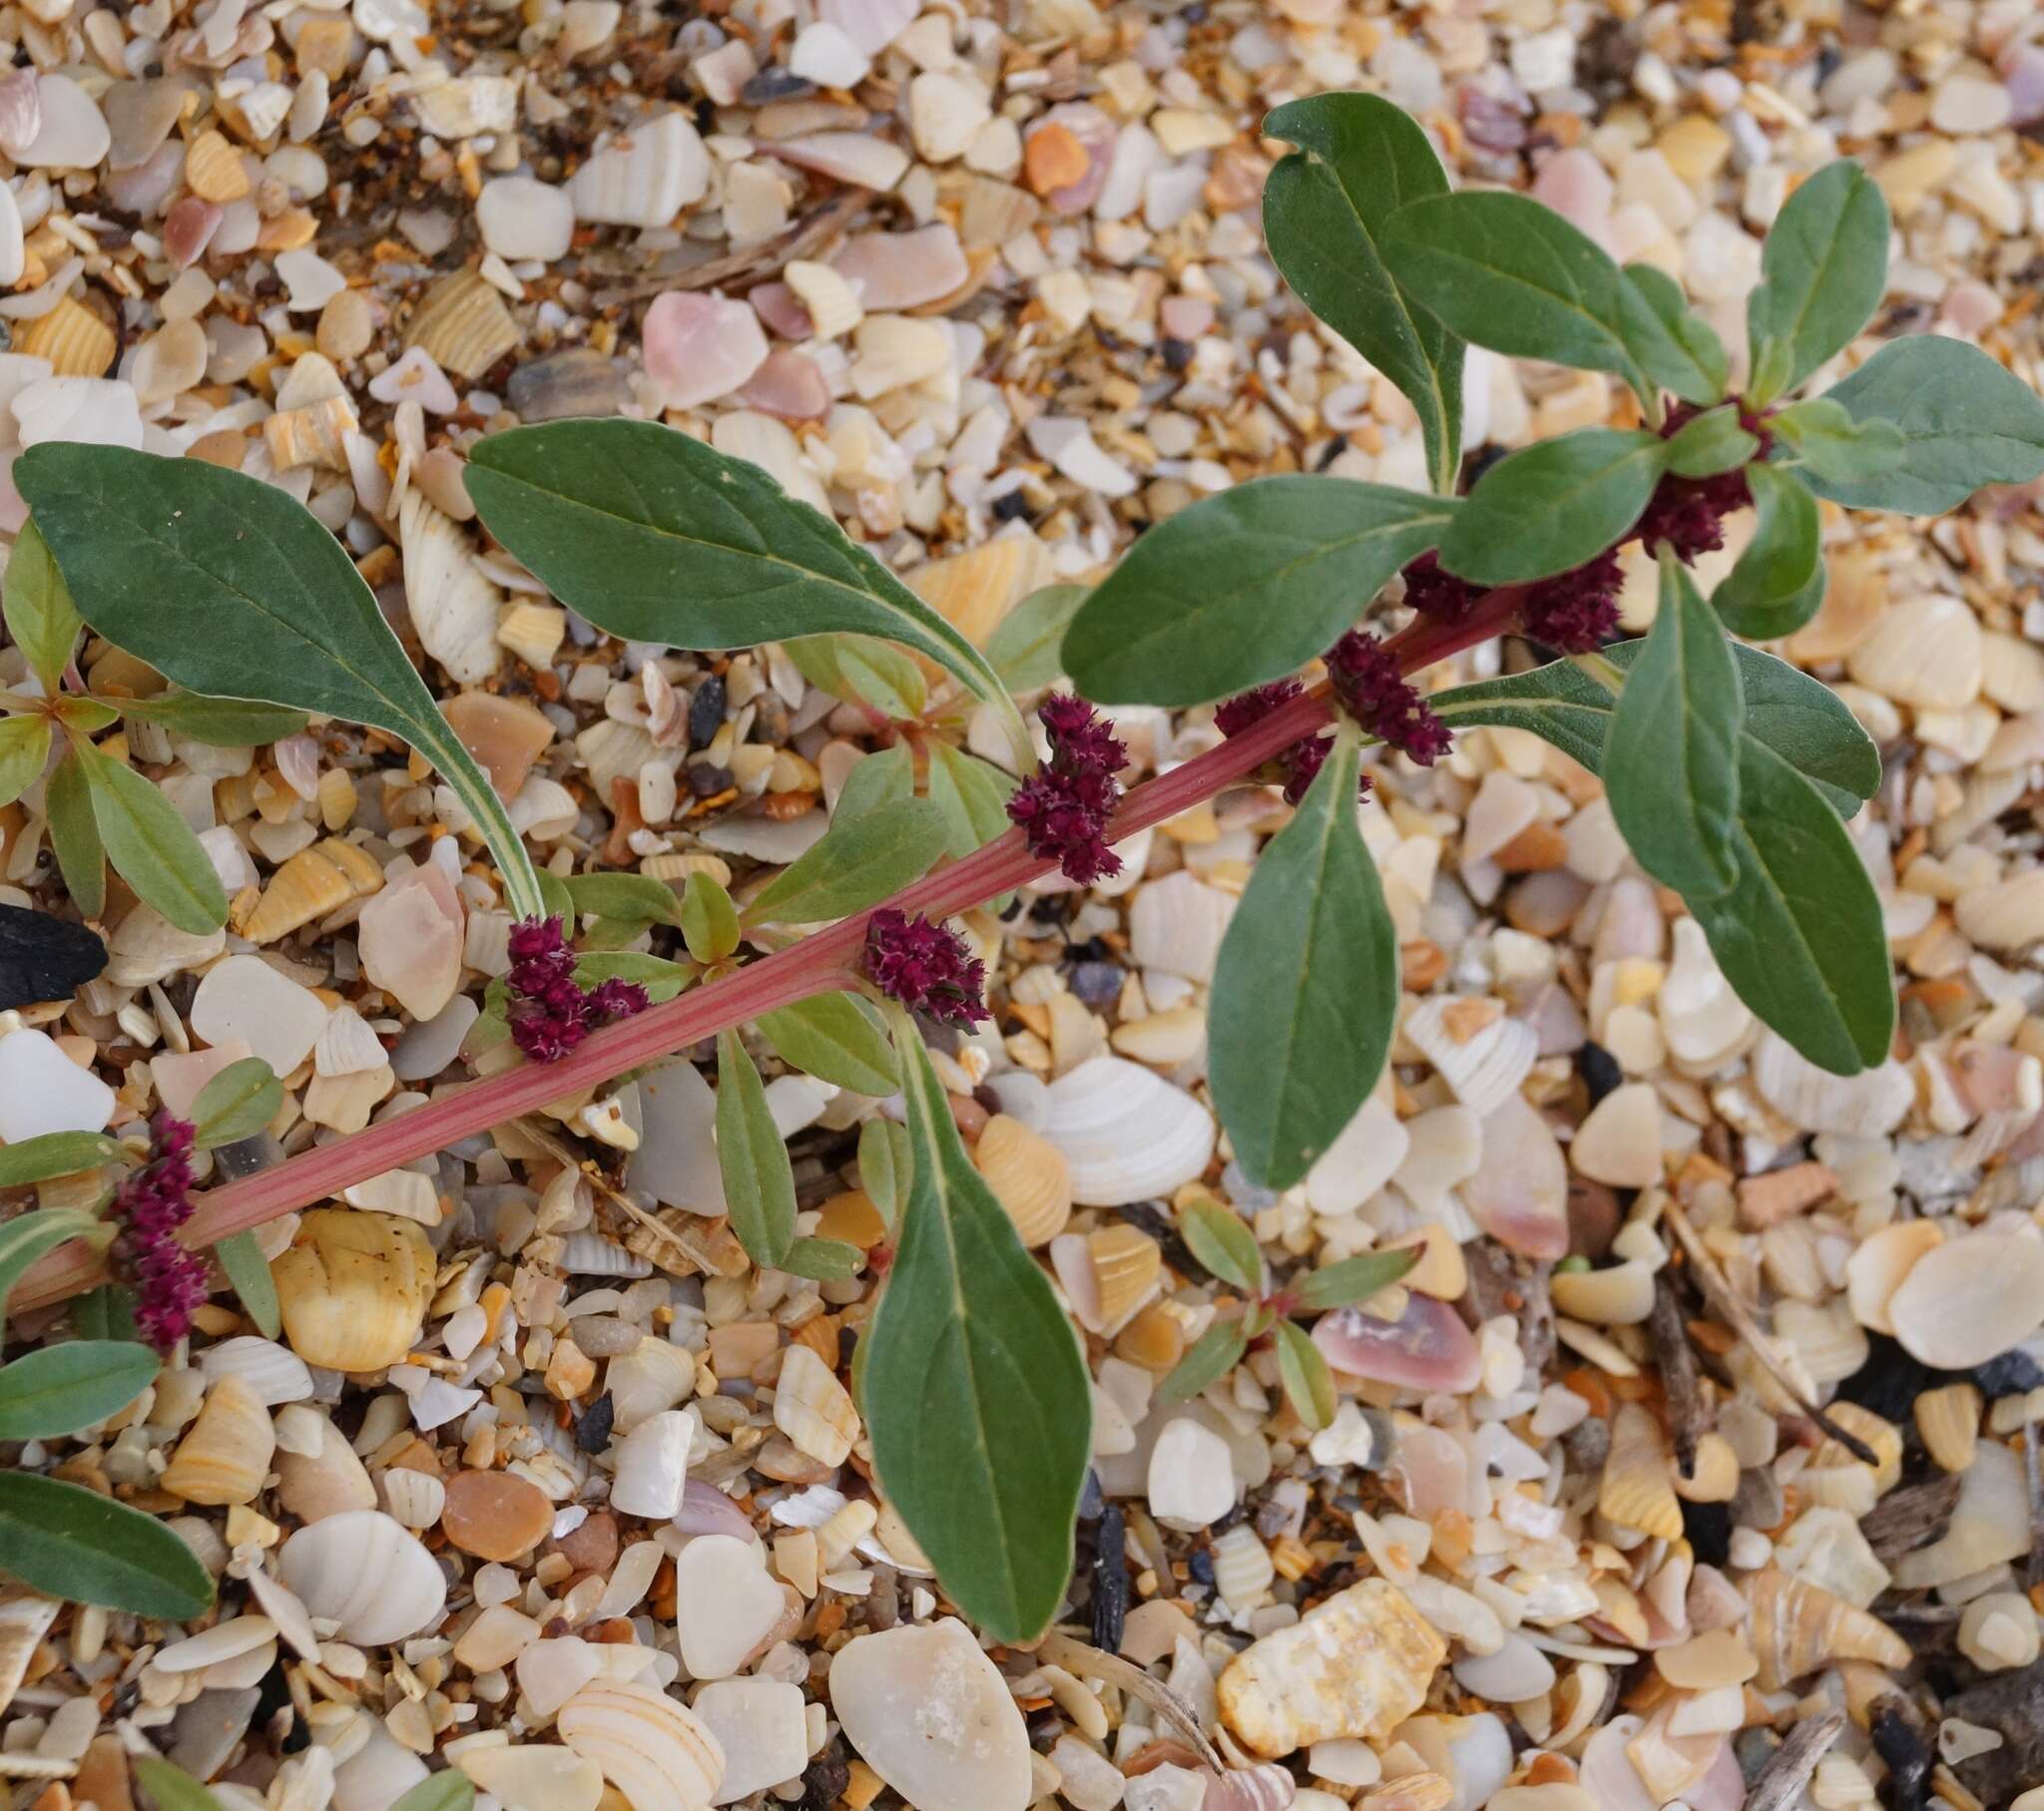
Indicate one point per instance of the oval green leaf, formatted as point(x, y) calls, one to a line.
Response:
point(1243, 587)
point(172, 1788)
point(752, 1157)
point(54, 1154)
point(823, 1261)
point(859, 861)
point(709, 922)
point(862, 669)
point(885, 1166)
point(1026, 643)
point(1827, 445)
point(660, 979)
point(978, 1402)
point(1710, 443)
point(972, 795)
point(1212, 1356)
point(449, 1790)
point(836, 1039)
point(630, 898)
point(1549, 507)
point(1308, 1384)
point(248, 596)
point(1822, 271)
point(59, 1389)
point(249, 1270)
point(75, 835)
point(75, 1544)
point(1219, 1239)
point(1359, 160)
point(219, 723)
point(1354, 1279)
point(237, 1104)
point(1305, 992)
point(1698, 369)
point(1778, 582)
point(151, 846)
point(24, 754)
point(41, 619)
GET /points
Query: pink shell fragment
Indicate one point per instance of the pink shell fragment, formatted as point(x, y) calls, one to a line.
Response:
point(789, 385)
point(1426, 1348)
point(1519, 1194)
point(895, 271)
point(701, 347)
point(188, 228)
point(1578, 189)
point(782, 309)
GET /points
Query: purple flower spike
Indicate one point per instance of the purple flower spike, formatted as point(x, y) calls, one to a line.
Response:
point(1305, 758)
point(1435, 592)
point(155, 1201)
point(551, 1013)
point(926, 967)
point(1379, 698)
point(1063, 807)
point(1577, 611)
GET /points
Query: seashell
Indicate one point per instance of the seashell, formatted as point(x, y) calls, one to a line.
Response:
point(832, 304)
point(346, 1046)
point(653, 1750)
point(309, 886)
point(1515, 1673)
point(1175, 925)
point(1989, 1524)
point(453, 606)
point(1028, 1176)
point(2004, 914)
point(72, 337)
point(1620, 1295)
point(1519, 1192)
point(1949, 1422)
point(1128, 1266)
point(1638, 1490)
point(1925, 652)
point(645, 175)
point(353, 1288)
point(1424, 1347)
point(654, 1375)
point(1825, 1340)
point(214, 170)
point(275, 1373)
point(225, 1454)
point(1242, 1568)
point(1126, 1133)
point(928, 1711)
point(653, 1463)
point(813, 1409)
point(1878, 1265)
point(578, 381)
point(1481, 1051)
point(533, 1773)
point(315, 434)
point(1714, 1477)
point(222, 1641)
point(415, 1499)
point(894, 271)
point(1606, 1771)
point(23, 1623)
point(1264, 1788)
point(21, 111)
point(1970, 1300)
point(1702, 1019)
point(591, 1255)
point(367, 1573)
point(1671, 1765)
point(463, 326)
point(1799, 1627)
point(1869, 1104)
point(317, 1472)
point(148, 947)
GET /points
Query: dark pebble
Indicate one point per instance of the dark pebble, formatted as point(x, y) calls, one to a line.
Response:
point(593, 1431)
point(1599, 1070)
point(1011, 506)
point(825, 1782)
point(777, 85)
point(1709, 1529)
point(1097, 983)
point(1110, 1582)
point(707, 781)
point(1178, 353)
point(706, 711)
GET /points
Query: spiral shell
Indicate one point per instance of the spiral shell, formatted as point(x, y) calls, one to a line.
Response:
point(1799, 1627)
point(1029, 1177)
point(225, 1454)
point(353, 1288)
point(362, 1570)
point(657, 1752)
point(1638, 1490)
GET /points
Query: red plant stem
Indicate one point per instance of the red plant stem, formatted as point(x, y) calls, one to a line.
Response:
point(817, 965)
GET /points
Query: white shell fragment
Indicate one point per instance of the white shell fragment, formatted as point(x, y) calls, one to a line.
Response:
point(646, 176)
point(1126, 1134)
point(1970, 1300)
point(366, 1573)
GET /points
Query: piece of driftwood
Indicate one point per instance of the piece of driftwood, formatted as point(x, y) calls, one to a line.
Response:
point(756, 265)
point(2011, 1703)
point(1789, 1768)
point(1911, 1516)
point(1679, 1380)
point(1503, 1284)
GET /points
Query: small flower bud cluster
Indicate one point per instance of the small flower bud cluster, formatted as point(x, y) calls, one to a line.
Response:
point(1063, 807)
point(1381, 698)
point(926, 967)
point(1689, 513)
point(1435, 592)
point(1576, 610)
point(551, 1012)
point(1303, 759)
point(155, 1201)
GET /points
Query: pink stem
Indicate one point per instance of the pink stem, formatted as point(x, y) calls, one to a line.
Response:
point(817, 965)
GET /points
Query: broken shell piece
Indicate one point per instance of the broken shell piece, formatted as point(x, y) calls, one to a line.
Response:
point(73, 338)
point(1948, 1421)
point(310, 884)
point(1126, 1267)
point(1970, 1300)
point(1028, 1176)
point(463, 326)
point(354, 1287)
point(1481, 1052)
point(225, 1454)
point(645, 175)
point(1519, 1193)
point(931, 1715)
point(813, 1409)
point(1426, 1347)
point(366, 1573)
point(453, 605)
point(1799, 1627)
point(1126, 1133)
point(1878, 1265)
point(1869, 1104)
point(1638, 1490)
point(657, 1752)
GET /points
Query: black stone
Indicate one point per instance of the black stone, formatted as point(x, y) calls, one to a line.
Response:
point(706, 711)
point(593, 1431)
point(43, 957)
point(1110, 1582)
point(1599, 1070)
point(1708, 1527)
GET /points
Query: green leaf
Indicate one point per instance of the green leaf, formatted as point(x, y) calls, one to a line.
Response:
point(1360, 160)
point(173, 1789)
point(1966, 421)
point(107, 1312)
point(75, 836)
point(972, 795)
point(246, 596)
point(1827, 443)
point(27, 1237)
point(237, 1104)
point(759, 1182)
point(1553, 505)
point(1823, 271)
point(1026, 643)
point(978, 1402)
point(1243, 587)
point(834, 1036)
point(1786, 712)
point(1213, 1355)
point(1308, 1384)
point(886, 1166)
point(249, 1270)
point(54, 1154)
point(553, 897)
point(24, 754)
point(449, 1790)
point(1711, 443)
point(1801, 936)
point(1778, 580)
point(862, 669)
point(1703, 372)
point(823, 1261)
point(73, 1543)
point(219, 723)
point(654, 536)
point(631, 898)
point(1354, 1279)
point(59, 1389)
point(1219, 1241)
point(150, 844)
point(1670, 759)
point(1508, 273)
point(86, 715)
point(858, 862)
point(41, 619)
point(1305, 992)
point(709, 922)
point(660, 979)
point(877, 780)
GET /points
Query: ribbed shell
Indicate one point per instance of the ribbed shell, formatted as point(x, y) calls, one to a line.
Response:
point(353, 1288)
point(656, 1751)
point(225, 1454)
point(369, 1574)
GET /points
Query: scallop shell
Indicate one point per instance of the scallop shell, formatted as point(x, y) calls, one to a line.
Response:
point(1879, 1263)
point(225, 1454)
point(453, 607)
point(813, 1409)
point(214, 170)
point(346, 1046)
point(1481, 1051)
point(463, 326)
point(312, 883)
point(653, 1464)
point(1265, 1788)
point(1949, 1422)
point(362, 1570)
point(1126, 1133)
point(412, 1497)
point(1242, 1568)
point(72, 337)
point(1714, 1477)
point(314, 435)
point(832, 304)
point(1128, 1266)
point(275, 1373)
point(1028, 1176)
point(1869, 1104)
point(654, 1375)
point(353, 1288)
point(1637, 1490)
point(645, 175)
point(657, 1752)
point(1799, 1627)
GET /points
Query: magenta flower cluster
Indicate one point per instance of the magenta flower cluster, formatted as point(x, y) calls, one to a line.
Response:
point(926, 967)
point(151, 1203)
point(1301, 762)
point(552, 1011)
point(1373, 692)
point(1577, 611)
point(1063, 807)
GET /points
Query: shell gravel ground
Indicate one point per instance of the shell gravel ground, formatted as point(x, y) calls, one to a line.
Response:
point(543, 1482)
